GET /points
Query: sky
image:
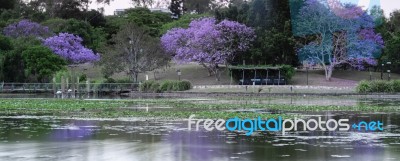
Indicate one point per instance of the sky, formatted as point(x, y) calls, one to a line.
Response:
point(387, 5)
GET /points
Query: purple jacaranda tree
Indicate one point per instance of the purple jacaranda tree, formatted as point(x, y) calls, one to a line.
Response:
point(26, 28)
point(342, 35)
point(70, 47)
point(208, 42)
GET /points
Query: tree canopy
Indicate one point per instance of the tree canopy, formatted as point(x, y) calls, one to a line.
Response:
point(340, 38)
point(70, 47)
point(208, 42)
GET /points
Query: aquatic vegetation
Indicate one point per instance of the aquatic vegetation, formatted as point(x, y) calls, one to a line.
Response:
point(177, 108)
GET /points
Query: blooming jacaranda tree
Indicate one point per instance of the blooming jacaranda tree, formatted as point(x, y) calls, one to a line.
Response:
point(342, 35)
point(26, 28)
point(208, 42)
point(70, 47)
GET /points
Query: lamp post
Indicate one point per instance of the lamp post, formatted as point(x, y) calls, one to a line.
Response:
point(179, 74)
point(370, 73)
point(307, 75)
point(388, 71)
point(382, 71)
point(130, 55)
point(73, 79)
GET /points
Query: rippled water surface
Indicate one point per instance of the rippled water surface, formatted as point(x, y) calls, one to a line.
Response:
point(49, 139)
point(76, 140)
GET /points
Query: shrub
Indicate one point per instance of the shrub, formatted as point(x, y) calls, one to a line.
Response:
point(288, 71)
point(82, 78)
point(185, 85)
point(395, 85)
point(155, 87)
point(363, 87)
point(165, 86)
point(150, 86)
point(110, 80)
point(125, 80)
point(378, 86)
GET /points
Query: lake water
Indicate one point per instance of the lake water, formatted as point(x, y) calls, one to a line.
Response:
point(47, 139)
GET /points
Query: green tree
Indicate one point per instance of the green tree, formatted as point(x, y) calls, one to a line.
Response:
point(142, 17)
point(5, 47)
point(151, 21)
point(200, 6)
point(392, 49)
point(133, 51)
point(183, 22)
point(277, 46)
point(235, 12)
point(390, 31)
point(95, 18)
point(7, 4)
point(5, 43)
point(41, 63)
point(71, 9)
point(13, 67)
point(176, 8)
point(271, 19)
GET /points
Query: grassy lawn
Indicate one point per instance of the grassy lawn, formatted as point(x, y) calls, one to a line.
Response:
point(199, 76)
point(277, 89)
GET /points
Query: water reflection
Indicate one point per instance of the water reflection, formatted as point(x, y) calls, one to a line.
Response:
point(73, 140)
point(310, 100)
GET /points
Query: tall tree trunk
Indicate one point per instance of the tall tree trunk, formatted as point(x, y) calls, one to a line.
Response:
point(328, 72)
point(134, 76)
point(217, 74)
point(210, 71)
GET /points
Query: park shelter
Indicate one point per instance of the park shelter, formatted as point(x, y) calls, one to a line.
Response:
point(254, 69)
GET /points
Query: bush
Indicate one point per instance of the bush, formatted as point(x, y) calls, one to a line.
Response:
point(82, 78)
point(126, 80)
point(395, 85)
point(165, 86)
point(150, 86)
point(170, 85)
point(155, 87)
point(185, 85)
point(288, 71)
point(110, 80)
point(363, 87)
point(378, 86)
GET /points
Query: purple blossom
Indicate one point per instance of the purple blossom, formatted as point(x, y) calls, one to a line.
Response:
point(70, 47)
point(26, 28)
point(369, 34)
point(206, 41)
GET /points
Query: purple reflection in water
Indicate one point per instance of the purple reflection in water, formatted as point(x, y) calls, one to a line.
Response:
point(73, 130)
point(202, 145)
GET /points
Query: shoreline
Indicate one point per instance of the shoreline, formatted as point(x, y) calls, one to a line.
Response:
point(245, 94)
